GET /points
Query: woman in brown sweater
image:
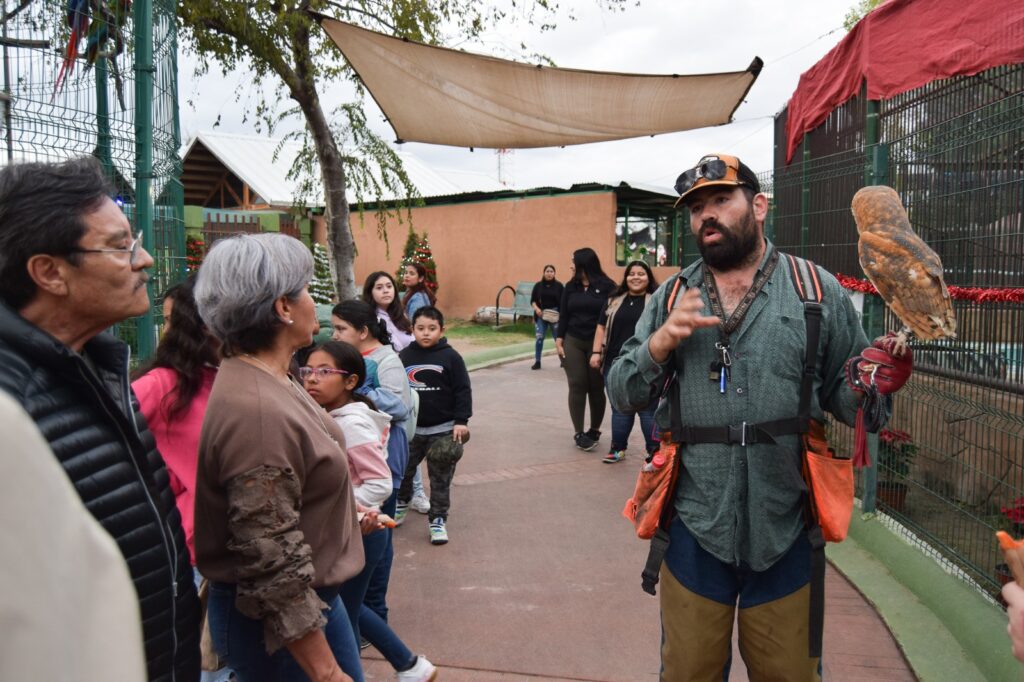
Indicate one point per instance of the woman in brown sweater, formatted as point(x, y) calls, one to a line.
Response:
point(276, 528)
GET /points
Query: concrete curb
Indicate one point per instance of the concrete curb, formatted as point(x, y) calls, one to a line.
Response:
point(945, 628)
point(493, 357)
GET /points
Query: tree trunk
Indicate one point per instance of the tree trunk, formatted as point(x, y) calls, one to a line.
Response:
point(341, 247)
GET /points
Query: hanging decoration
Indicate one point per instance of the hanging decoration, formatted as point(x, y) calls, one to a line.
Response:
point(974, 294)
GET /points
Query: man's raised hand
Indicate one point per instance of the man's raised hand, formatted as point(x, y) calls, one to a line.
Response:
point(680, 324)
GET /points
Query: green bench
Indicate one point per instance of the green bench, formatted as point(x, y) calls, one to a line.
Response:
point(520, 307)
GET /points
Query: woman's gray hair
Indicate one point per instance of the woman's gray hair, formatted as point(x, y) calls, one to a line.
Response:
point(239, 281)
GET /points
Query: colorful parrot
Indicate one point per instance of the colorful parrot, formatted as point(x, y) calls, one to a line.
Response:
point(99, 23)
point(78, 16)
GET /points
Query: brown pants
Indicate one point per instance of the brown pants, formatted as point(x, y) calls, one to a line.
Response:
point(697, 637)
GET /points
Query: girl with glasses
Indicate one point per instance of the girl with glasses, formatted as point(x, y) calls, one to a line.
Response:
point(333, 373)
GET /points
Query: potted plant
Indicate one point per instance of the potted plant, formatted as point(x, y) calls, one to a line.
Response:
point(896, 452)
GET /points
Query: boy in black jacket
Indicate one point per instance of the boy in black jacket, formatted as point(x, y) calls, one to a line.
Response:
point(438, 375)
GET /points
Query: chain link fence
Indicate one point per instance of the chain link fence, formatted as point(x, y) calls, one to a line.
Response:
point(954, 151)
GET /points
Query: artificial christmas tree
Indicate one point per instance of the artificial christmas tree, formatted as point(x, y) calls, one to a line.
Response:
point(321, 287)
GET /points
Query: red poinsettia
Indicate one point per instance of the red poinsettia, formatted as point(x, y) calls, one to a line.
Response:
point(1015, 512)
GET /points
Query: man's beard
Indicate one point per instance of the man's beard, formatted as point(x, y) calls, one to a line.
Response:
point(734, 249)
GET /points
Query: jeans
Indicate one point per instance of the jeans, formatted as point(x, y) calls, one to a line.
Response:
point(542, 328)
point(622, 424)
point(224, 674)
point(377, 590)
point(239, 639)
point(417, 484)
point(364, 621)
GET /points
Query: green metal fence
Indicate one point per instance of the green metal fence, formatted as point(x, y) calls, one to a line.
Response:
point(119, 105)
point(954, 150)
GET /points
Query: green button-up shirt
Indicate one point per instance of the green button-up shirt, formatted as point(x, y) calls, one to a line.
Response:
point(745, 504)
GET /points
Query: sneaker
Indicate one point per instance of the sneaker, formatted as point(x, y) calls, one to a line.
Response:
point(420, 503)
point(536, 365)
point(363, 644)
point(583, 442)
point(614, 456)
point(422, 671)
point(401, 509)
point(438, 533)
point(594, 435)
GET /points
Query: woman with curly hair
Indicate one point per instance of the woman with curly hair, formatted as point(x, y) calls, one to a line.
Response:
point(380, 291)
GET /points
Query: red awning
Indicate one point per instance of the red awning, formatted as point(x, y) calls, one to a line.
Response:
point(903, 45)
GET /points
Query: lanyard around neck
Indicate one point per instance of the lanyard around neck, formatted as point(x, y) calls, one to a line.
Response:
point(728, 326)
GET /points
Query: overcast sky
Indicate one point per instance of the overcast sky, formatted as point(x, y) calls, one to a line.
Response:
point(659, 37)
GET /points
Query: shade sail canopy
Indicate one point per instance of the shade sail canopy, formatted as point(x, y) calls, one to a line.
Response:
point(442, 96)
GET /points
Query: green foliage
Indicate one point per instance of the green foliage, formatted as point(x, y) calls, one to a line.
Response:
point(859, 11)
point(321, 287)
point(896, 452)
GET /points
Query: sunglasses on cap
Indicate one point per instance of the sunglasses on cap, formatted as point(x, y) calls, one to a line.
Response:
point(714, 168)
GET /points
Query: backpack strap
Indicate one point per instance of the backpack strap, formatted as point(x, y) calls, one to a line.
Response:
point(804, 275)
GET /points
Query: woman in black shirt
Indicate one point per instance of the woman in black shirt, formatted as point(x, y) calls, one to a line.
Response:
point(545, 299)
point(583, 300)
point(614, 328)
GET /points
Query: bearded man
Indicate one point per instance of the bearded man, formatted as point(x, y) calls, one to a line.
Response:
point(731, 383)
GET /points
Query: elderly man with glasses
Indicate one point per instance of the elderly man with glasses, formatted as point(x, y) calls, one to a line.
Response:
point(725, 343)
point(70, 268)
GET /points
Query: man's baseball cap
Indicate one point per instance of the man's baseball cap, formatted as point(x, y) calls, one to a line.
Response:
point(716, 169)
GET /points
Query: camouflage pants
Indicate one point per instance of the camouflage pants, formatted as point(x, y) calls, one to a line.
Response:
point(441, 471)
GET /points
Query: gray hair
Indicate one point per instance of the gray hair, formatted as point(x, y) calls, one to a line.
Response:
point(240, 280)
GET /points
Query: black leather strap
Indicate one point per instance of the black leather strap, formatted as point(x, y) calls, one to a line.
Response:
point(816, 622)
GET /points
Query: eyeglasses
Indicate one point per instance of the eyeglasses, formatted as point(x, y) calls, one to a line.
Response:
point(320, 373)
point(132, 250)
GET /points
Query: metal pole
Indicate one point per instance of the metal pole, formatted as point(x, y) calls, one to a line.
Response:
point(874, 311)
point(103, 139)
point(805, 198)
point(142, 16)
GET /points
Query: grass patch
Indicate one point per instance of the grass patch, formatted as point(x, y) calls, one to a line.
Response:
point(487, 335)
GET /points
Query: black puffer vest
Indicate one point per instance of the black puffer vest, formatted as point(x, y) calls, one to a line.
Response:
point(93, 425)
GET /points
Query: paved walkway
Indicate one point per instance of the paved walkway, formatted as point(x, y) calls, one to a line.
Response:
point(541, 579)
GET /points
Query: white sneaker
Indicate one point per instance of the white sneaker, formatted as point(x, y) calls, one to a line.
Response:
point(420, 503)
point(423, 671)
point(438, 532)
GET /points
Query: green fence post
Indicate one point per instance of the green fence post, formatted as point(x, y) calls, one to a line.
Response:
point(142, 16)
point(875, 173)
point(103, 139)
point(805, 198)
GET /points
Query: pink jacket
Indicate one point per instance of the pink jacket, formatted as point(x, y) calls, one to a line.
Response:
point(366, 441)
point(177, 440)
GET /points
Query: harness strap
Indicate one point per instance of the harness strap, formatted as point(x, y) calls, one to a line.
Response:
point(816, 619)
point(649, 577)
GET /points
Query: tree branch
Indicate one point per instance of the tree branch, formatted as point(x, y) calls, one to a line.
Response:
point(14, 12)
point(375, 17)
